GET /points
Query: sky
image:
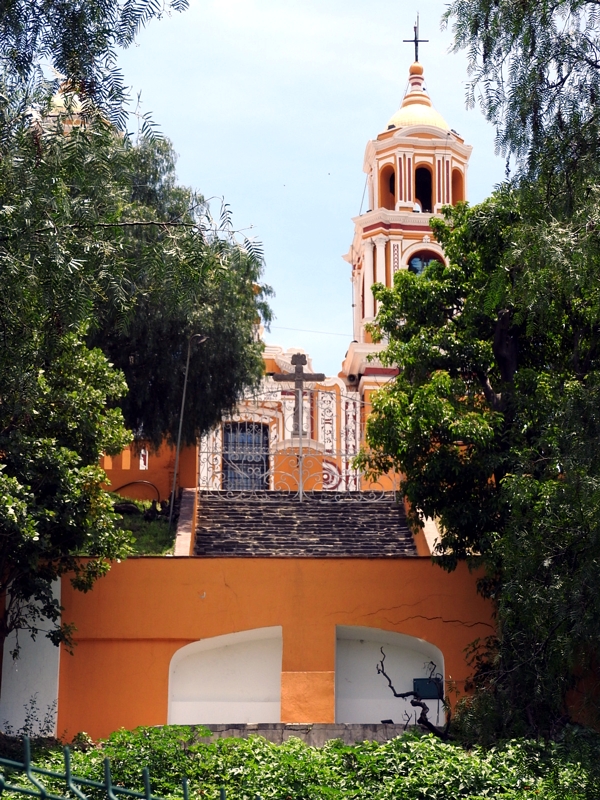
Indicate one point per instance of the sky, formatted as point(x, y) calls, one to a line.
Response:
point(270, 105)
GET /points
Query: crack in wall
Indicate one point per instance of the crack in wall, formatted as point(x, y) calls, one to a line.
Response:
point(439, 617)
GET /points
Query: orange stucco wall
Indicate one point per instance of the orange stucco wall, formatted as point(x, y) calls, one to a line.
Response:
point(125, 469)
point(132, 622)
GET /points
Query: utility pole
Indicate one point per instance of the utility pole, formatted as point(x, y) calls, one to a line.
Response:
point(201, 338)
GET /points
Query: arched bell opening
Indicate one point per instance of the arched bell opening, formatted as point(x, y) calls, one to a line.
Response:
point(387, 187)
point(421, 259)
point(458, 187)
point(424, 189)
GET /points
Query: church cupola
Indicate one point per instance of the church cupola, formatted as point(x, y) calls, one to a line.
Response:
point(417, 165)
point(416, 108)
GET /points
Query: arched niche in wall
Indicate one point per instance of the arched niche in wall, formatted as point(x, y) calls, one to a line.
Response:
point(230, 678)
point(424, 188)
point(361, 694)
point(458, 186)
point(387, 187)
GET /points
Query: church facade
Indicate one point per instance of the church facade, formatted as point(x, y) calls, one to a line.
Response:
point(292, 571)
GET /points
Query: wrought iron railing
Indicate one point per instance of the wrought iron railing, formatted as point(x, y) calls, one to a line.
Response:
point(262, 450)
point(72, 783)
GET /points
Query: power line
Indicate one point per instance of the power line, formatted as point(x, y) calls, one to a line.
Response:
point(304, 330)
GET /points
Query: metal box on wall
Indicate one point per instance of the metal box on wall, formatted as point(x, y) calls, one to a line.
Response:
point(429, 688)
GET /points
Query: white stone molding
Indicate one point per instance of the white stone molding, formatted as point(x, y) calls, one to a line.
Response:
point(284, 360)
point(384, 216)
point(370, 188)
point(380, 242)
point(357, 310)
point(368, 279)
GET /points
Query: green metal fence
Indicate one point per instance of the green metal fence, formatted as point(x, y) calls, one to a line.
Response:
point(73, 784)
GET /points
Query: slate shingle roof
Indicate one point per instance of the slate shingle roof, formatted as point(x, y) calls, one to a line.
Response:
point(325, 525)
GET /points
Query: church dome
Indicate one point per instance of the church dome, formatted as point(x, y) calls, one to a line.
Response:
point(416, 108)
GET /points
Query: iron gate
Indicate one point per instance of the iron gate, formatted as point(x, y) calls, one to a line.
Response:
point(262, 448)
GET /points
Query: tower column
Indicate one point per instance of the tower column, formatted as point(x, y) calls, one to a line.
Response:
point(368, 279)
point(356, 299)
point(380, 266)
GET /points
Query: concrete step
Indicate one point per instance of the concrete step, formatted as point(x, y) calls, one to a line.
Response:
point(271, 524)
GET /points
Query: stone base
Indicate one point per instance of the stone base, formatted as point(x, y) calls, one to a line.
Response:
point(313, 734)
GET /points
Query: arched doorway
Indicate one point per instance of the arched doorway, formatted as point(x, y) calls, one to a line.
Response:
point(230, 678)
point(362, 695)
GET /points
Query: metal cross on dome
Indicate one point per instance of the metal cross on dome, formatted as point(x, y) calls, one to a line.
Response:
point(300, 378)
point(416, 39)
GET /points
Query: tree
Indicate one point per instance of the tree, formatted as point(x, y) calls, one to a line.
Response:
point(97, 245)
point(54, 516)
point(441, 421)
point(79, 40)
point(95, 249)
point(535, 66)
point(189, 279)
point(55, 419)
point(493, 423)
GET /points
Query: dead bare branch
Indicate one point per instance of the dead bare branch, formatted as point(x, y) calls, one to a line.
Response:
point(416, 702)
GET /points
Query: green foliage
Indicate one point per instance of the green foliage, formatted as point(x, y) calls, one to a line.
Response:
point(150, 537)
point(186, 274)
point(101, 254)
point(493, 423)
point(442, 421)
point(79, 40)
point(411, 767)
point(533, 253)
point(535, 68)
point(54, 425)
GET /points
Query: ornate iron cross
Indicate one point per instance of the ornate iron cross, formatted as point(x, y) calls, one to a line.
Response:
point(416, 39)
point(300, 378)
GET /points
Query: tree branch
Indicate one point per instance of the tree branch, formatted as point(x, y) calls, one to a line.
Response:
point(99, 225)
point(416, 702)
point(494, 398)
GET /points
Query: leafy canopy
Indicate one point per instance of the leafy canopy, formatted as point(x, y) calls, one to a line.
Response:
point(534, 67)
point(101, 254)
point(493, 423)
point(79, 40)
point(188, 275)
point(411, 767)
point(493, 418)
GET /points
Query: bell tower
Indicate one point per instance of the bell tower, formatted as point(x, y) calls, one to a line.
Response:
point(414, 167)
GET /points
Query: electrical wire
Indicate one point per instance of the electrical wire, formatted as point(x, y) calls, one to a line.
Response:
point(304, 330)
